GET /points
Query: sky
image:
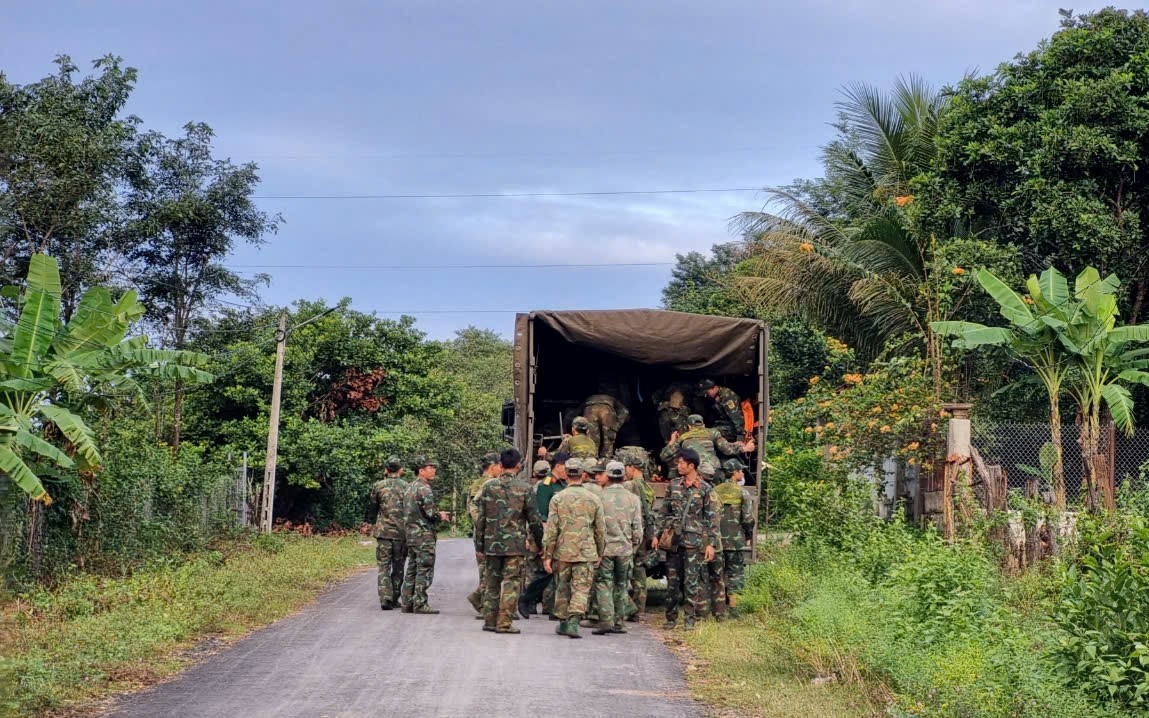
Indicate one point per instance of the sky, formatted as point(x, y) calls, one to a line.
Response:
point(351, 98)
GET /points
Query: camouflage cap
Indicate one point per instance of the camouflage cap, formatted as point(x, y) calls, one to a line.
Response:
point(593, 466)
point(489, 459)
point(695, 420)
point(631, 456)
point(732, 465)
point(615, 470)
point(574, 466)
point(421, 461)
point(541, 468)
point(393, 463)
point(580, 422)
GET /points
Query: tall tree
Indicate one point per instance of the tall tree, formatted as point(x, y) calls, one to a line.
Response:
point(853, 265)
point(186, 212)
point(1049, 150)
point(63, 143)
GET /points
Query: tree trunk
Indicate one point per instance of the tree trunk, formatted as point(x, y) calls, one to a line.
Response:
point(177, 415)
point(1089, 447)
point(1058, 465)
point(1138, 301)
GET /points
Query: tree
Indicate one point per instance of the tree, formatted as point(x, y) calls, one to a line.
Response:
point(855, 273)
point(1049, 148)
point(186, 211)
point(51, 370)
point(1071, 341)
point(698, 283)
point(63, 145)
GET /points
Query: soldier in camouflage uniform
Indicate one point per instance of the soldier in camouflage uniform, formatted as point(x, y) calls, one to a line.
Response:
point(634, 461)
point(506, 513)
point(533, 566)
point(736, 525)
point(691, 512)
point(578, 444)
point(605, 415)
point(390, 544)
point(423, 519)
point(672, 414)
point(542, 585)
point(705, 442)
point(572, 544)
point(622, 513)
point(488, 469)
point(725, 409)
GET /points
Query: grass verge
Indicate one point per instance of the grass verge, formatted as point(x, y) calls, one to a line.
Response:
point(743, 668)
point(95, 636)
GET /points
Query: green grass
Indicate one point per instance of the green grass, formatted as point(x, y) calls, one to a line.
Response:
point(743, 667)
point(94, 636)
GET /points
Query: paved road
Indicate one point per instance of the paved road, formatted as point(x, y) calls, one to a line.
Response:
point(344, 658)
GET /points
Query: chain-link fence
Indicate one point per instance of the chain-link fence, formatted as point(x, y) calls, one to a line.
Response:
point(1024, 451)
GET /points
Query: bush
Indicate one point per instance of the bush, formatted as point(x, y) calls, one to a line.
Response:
point(1104, 611)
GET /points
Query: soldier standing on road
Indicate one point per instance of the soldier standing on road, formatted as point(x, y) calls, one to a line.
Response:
point(725, 408)
point(423, 519)
point(390, 545)
point(707, 443)
point(506, 513)
point(572, 546)
point(690, 513)
point(622, 513)
point(736, 525)
point(541, 587)
point(605, 415)
point(634, 463)
point(488, 469)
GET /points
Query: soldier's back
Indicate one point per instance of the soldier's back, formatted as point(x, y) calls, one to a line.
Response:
point(390, 523)
point(574, 511)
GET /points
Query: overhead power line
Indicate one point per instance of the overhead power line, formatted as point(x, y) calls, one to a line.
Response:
point(484, 195)
point(497, 155)
point(450, 266)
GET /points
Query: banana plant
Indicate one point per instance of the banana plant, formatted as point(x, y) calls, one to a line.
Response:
point(50, 370)
point(1072, 341)
point(1031, 338)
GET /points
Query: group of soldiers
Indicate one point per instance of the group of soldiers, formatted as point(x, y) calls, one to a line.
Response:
point(576, 534)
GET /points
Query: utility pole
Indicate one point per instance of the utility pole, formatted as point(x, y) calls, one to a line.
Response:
point(265, 520)
point(273, 427)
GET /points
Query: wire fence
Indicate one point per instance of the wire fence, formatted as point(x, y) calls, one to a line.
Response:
point(1024, 453)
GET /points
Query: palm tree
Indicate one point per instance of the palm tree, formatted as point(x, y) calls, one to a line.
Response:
point(863, 273)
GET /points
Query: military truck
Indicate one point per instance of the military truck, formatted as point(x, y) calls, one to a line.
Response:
point(562, 357)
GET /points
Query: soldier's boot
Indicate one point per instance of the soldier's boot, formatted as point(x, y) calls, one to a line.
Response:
point(475, 598)
point(408, 608)
point(488, 626)
point(385, 605)
point(508, 629)
point(618, 627)
point(572, 626)
point(525, 609)
point(560, 629)
point(426, 610)
point(602, 629)
point(670, 624)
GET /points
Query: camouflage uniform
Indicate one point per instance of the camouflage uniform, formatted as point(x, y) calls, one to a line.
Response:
point(505, 514)
point(692, 512)
point(606, 416)
point(640, 488)
point(422, 521)
point(736, 525)
point(574, 540)
point(707, 442)
point(726, 414)
point(475, 598)
point(579, 446)
point(390, 544)
point(622, 513)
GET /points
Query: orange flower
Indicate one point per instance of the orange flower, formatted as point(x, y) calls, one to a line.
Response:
point(912, 446)
point(833, 449)
point(789, 451)
point(829, 425)
point(911, 461)
point(809, 430)
point(824, 404)
point(876, 410)
point(806, 247)
point(904, 200)
point(884, 428)
point(871, 423)
point(1027, 300)
point(895, 407)
point(958, 271)
point(852, 378)
point(800, 400)
point(814, 380)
